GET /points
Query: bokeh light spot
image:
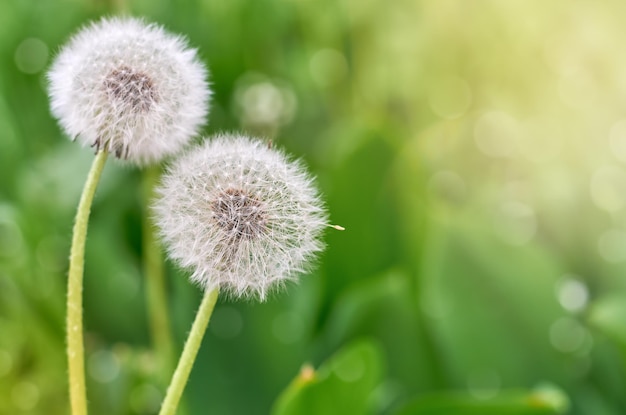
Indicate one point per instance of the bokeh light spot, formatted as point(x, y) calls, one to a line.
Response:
point(260, 101)
point(350, 369)
point(496, 134)
point(553, 396)
point(31, 55)
point(617, 140)
point(572, 294)
point(612, 245)
point(25, 395)
point(567, 335)
point(263, 103)
point(608, 188)
point(104, 366)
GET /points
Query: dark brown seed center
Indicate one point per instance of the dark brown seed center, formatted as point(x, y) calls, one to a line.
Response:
point(136, 89)
point(239, 214)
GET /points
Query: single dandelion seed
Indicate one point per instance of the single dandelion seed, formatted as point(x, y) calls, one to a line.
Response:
point(240, 215)
point(129, 88)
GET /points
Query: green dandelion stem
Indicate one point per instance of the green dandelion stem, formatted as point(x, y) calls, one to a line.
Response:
point(190, 351)
point(75, 347)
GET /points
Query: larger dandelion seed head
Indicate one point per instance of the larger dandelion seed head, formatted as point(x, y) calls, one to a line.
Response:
point(240, 215)
point(130, 88)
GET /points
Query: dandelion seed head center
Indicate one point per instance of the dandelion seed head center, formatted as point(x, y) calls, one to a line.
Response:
point(240, 214)
point(131, 87)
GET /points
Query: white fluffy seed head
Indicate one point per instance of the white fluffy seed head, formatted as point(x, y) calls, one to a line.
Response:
point(239, 214)
point(130, 88)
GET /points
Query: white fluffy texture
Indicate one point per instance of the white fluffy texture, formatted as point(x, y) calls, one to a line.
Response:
point(130, 88)
point(240, 215)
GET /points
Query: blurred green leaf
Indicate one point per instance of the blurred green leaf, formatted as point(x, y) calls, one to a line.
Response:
point(343, 385)
point(608, 315)
point(382, 306)
point(486, 308)
point(546, 400)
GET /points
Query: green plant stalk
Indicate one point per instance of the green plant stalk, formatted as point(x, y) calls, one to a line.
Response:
point(158, 317)
point(190, 351)
point(75, 347)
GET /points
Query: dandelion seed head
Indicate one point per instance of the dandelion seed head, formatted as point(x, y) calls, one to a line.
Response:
point(130, 88)
point(240, 215)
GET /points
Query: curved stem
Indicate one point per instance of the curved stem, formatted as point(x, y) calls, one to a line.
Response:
point(75, 348)
point(192, 345)
point(160, 329)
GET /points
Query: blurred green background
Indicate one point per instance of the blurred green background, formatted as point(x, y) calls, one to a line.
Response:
point(474, 151)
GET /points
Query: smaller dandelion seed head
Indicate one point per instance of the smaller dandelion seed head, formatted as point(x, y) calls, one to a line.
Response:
point(240, 215)
point(130, 88)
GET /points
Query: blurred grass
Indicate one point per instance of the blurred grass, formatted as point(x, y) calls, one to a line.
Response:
point(473, 151)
